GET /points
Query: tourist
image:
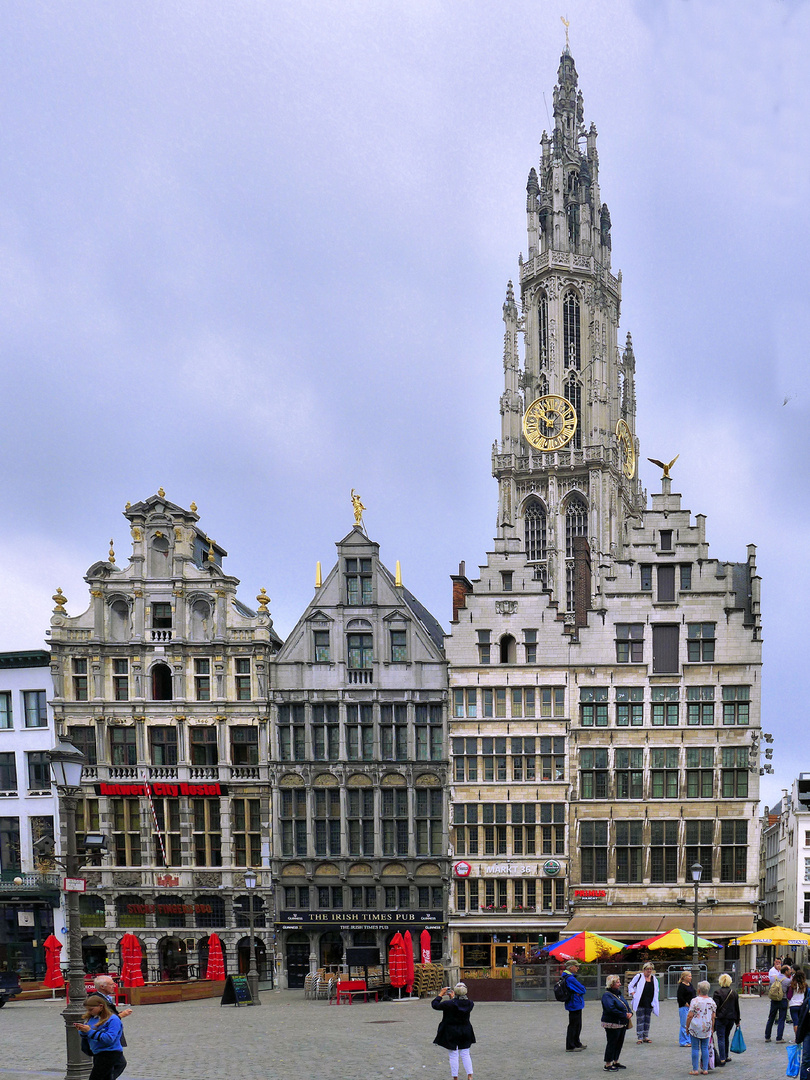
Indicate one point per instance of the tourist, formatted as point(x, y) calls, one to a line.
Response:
point(798, 986)
point(779, 984)
point(727, 1015)
point(103, 1030)
point(455, 1032)
point(644, 991)
point(574, 1006)
point(616, 1018)
point(700, 1025)
point(685, 994)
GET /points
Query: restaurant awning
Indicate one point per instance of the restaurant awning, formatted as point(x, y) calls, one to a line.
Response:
point(643, 924)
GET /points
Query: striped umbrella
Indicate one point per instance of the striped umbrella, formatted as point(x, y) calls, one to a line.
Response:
point(674, 939)
point(585, 946)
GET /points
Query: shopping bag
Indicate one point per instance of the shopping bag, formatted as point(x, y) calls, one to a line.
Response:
point(738, 1042)
point(711, 1052)
point(794, 1060)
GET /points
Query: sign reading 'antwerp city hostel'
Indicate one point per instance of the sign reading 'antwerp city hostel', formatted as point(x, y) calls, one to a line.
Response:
point(356, 920)
point(162, 790)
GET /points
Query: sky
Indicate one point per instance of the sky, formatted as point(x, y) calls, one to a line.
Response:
point(256, 253)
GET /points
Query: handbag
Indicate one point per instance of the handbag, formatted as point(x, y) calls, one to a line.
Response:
point(738, 1042)
point(794, 1054)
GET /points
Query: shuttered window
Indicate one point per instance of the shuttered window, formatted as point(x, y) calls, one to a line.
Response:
point(665, 649)
point(666, 583)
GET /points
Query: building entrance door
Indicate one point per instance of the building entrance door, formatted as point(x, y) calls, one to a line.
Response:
point(297, 963)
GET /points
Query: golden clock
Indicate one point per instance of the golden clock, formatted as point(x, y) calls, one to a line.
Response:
point(627, 451)
point(549, 422)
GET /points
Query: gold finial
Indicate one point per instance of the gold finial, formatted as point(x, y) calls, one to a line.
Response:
point(358, 508)
point(264, 600)
point(60, 600)
point(193, 508)
point(566, 24)
point(210, 549)
point(398, 578)
point(128, 505)
point(318, 581)
point(161, 493)
point(111, 556)
point(661, 465)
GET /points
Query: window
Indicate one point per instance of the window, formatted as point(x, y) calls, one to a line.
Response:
point(664, 772)
point(629, 852)
point(593, 773)
point(360, 653)
point(293, 818)
point(663, 852)
point(507, 650)
point(330, 896)
point(593, 840)
point(494, 758)
point(594, 706)
point(163, 745)
point(86, 818)
point(734, 772)
point(242, 678)
point(244, 747)
point(629, 706)
point(465, 828)
point(291, 741)
point(6, 720)
point(161, 616)
point(327, 821)
point(524, 759)
point(206, 833)
point(535, 531)
point(665, 539)
point(394, 821)
point(530, 645)
point(360, 732)
point(465, 761)
point(552, 828)
point(79, 678)
point(664, 707)
point(161, 683)
point(559, 901)
point(429, 732)
point(325, 731)
point(34, 707)
point(699, 847)
point(665, 649)
point(10, 843)
point(486, 703)
point(464, 703)
point(360, 805)
point(700, 772)
point(358, 582)
point(204, 749)
point(646, 577)
point(629, 765)
point(700, 642)
point(733, 850)
point(552, 757)
point(500, 702)
point(8, 772)
point(397, 896)
point(247, 832)
point(126, 832)
point(428, 896)
point(167, 812)
point(484, 646)
point(394, 732)
point(700, 706)
point(40, 828)
point(84, 739)
point(666, 583)
point(736, 704)
point(429, 821)
point(399, 646)
point(542, 331)
point(807, 869)
point(576, 524)
point(493, 816)
point(320, 644)
point(524, 829)
point(120, 668)
point(122, 746)
point(571, 331)
point(202, 680)
point(629, 643)
point(686, 577)
point(552, 701)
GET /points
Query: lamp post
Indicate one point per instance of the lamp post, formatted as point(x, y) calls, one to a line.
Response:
point(66, 767)
point(253, 974)
point(697, 873)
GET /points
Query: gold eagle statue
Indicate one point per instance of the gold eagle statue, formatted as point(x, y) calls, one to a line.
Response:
point(661, 465)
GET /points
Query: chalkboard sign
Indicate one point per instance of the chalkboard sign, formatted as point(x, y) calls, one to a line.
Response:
point(237, 991)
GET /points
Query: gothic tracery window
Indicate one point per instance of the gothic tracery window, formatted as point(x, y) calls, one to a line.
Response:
point(576, 524)
point(573, 391)
point(571, 330)
point(542, 330)
point(535, 531)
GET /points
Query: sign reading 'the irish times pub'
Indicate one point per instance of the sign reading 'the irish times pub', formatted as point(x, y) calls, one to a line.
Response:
point(357, 920)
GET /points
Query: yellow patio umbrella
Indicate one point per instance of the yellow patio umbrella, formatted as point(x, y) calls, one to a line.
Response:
point(774, 935)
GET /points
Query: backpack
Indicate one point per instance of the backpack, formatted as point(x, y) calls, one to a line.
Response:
point(776, 990)
point(562, 991)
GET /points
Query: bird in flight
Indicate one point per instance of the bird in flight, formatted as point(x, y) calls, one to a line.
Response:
point(661, 465)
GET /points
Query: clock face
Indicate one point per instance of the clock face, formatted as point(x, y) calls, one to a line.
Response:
point(626, 449)
point(549, 422)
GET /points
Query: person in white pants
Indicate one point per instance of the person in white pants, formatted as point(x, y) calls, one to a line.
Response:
point(455, 1031)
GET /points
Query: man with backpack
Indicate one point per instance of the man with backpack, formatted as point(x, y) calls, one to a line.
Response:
point(777, 993)
point(570, 990)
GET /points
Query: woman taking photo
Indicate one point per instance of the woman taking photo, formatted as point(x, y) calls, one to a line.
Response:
point(685, 994)
point(103, 1030)
point(644, 991)
point(616, 1015)
point(455, 1032)
point(727, 1015)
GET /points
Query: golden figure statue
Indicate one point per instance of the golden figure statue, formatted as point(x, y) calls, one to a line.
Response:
point(358, 508)
point(661, 465)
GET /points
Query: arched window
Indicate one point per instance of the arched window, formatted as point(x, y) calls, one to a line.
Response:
point(571, 341)
point(241, 910)
point(91, 910)
point(573, 391)
point(542, 331)
point(209, 911)
point(508, 649)
point(131, 910)
point(576, 524)
point(535, 531)
point(159, 561)
point(161, 683)
point(200, 614)
point(119, 620)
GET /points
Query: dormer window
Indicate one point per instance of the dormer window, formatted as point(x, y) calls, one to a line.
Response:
point(506, 580)
point(665, 537)
point(358, 582)
point(399, 647)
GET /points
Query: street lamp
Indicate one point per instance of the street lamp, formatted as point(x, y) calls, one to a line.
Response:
point(253, 974)
point(697, 872)
point(66, 767)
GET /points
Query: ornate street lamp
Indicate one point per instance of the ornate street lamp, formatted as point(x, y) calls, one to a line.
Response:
point(66, 767)
point(253, 974)
point(697, 872)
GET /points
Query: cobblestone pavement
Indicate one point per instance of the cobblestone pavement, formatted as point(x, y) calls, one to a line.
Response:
point(289, 1038)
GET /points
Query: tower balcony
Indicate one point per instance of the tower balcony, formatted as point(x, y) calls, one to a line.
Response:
point(568, 260)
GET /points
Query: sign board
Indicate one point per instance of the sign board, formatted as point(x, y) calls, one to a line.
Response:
point(358, 920)
point(74, 884)
point(590, 894)
point(237, 991)
point(462, 869)
point(25, 918)
point(161, 791)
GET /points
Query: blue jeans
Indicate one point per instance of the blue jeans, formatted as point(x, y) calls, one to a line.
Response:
point(804, 1071)
point(700, 1050)
point(683, 1038)
point(723, 1029)
point(777, 1012)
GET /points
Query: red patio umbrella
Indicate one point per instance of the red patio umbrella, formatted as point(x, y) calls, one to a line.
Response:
point(407, 939)
point(131, 955)
point(53, 973)
point(216, 964)
point(397, 969)
point(424, 943)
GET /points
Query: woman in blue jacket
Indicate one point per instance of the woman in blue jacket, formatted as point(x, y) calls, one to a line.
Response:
point(574, 1006)
point(616, 1014)
point(103, 1030)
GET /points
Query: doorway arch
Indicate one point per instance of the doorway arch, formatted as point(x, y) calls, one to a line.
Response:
point(243, 956)
point(331, 949)
point(297, 960)
point(172, 958)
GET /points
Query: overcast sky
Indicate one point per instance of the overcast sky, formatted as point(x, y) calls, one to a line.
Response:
point(256, 253)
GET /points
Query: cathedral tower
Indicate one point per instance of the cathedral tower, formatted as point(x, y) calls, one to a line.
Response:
point(566, 461)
